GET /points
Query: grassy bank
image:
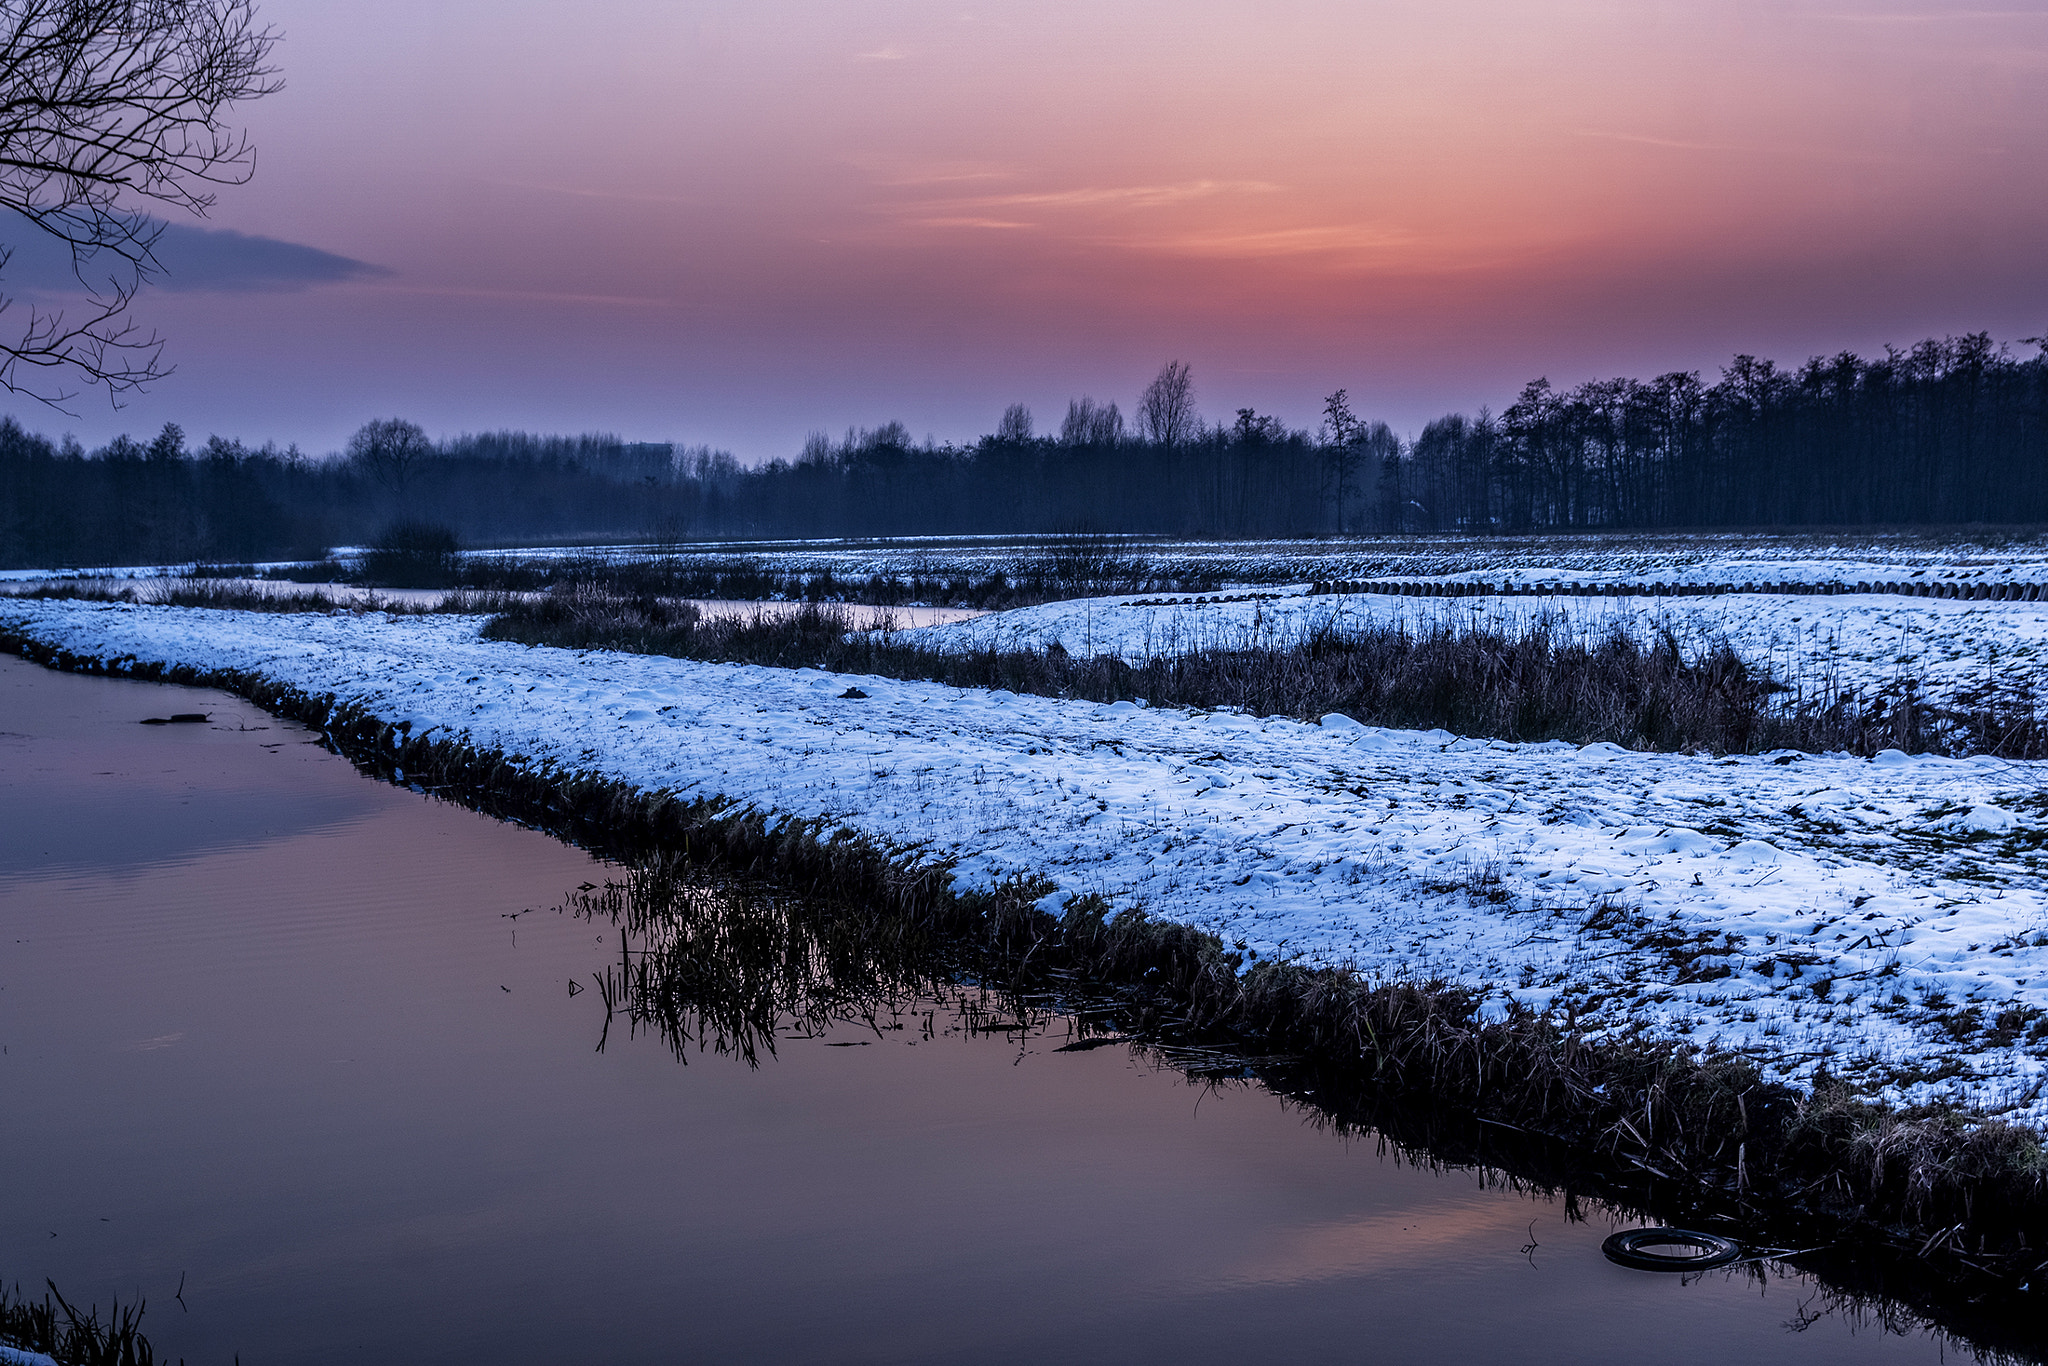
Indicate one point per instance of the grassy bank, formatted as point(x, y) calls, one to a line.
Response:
point(1466, 679)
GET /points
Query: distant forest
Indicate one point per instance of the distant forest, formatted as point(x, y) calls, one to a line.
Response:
point(1951, 431)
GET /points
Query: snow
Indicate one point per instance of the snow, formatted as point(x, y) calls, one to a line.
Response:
point(1885, 919)
point(1556, 557)
point(1870, 643)
point(15, 1356)
point(1544, 558)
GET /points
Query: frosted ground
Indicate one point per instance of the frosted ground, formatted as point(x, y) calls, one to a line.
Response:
point(1872, 644)
point(1592, 558)
point(1885, 919)
point(1716, 557)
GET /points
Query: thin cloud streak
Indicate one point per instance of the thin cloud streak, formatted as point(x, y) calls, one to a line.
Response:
point(528, 295)
point(1764, 152)
point(576, 192)
point(1135, 196)
point(1001, 223)
point(1678, 144)
point(1354, 240)
point(1948, 16)
point(1112, 196)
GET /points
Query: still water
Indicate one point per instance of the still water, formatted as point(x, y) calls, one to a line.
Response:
point(305, 1042)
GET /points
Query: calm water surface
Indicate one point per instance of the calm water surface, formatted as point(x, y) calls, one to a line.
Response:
point(306, 1040)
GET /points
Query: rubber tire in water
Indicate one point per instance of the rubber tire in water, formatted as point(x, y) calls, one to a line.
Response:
point(1627, 1248)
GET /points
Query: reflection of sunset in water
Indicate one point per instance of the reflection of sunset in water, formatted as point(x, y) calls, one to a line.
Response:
point(1394, 1242)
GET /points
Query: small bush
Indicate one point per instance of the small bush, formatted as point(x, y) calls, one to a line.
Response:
point(413, 555)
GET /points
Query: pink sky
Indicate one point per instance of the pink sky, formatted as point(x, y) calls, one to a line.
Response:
point(735, 221)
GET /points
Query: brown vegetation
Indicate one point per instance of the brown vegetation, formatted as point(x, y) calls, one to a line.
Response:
point(1471, 680)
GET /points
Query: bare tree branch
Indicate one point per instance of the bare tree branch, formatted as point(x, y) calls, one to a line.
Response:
point(104, 103)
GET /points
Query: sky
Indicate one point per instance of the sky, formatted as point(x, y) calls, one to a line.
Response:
point(739, 221)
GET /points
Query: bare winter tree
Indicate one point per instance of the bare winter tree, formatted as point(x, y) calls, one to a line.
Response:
point(390, 450)
point(1166, 411)
point(1343, 434)
point(106, 105)
point(1016, 424)
point(1089, 423)
point(1074, 430)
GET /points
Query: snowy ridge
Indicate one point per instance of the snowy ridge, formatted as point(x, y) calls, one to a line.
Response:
point(1885, 919)
point(1870, 643)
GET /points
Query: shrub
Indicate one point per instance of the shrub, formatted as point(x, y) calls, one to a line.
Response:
point(412, 555)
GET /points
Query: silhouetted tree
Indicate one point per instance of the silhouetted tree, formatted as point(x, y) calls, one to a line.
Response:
point(1091, 424)
point(1341, 432)
point(1016, 424)
point(1166, 410)
point(104, 103)
point(390, 451)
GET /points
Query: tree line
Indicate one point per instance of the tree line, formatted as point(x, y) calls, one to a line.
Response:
point(167, 502)
point(1950, 431)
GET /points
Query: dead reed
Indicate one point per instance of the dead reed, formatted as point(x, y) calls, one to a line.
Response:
point(220, 594)
point(56, 1328)
point(1064, 567)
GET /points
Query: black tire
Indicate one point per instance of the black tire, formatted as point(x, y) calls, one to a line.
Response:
point(1630, 1249)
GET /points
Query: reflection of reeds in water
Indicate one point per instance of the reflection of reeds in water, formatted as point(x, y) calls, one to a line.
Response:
point(728, 968)
point(731, 968)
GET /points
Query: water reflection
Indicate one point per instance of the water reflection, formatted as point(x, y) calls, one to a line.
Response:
point(707, 966)
point(730, 969)
point(101, 791)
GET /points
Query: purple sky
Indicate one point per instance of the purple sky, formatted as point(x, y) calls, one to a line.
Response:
point(736, 221)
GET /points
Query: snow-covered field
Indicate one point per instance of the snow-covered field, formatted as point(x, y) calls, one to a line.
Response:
point(1869, 643)
point(1887, 919)
point(1704, 558)
point(1539, 558)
